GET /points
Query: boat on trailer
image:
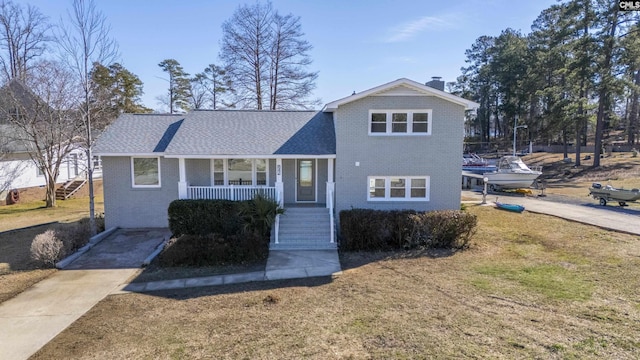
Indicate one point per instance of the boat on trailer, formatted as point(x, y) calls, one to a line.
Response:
point(511, 173)
point(609, 193)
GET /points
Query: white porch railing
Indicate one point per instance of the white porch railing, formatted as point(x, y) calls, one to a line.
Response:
point(330, 206)
point(236, 193)
point(280, 199)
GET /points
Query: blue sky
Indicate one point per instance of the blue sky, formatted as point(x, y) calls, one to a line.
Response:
point(357, 44)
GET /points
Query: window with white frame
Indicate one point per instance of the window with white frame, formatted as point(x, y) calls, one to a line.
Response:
point(398, 188)
point(218, 172)
point(243, 172)
point(145, 172)
point(400, 122)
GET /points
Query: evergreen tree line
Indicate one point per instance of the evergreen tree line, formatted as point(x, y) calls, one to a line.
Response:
point(573, 79)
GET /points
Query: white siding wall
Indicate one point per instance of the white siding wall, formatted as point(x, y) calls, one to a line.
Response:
point(21, 172)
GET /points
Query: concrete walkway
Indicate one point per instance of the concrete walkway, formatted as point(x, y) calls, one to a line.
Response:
point(33, 318)
point(280, 265)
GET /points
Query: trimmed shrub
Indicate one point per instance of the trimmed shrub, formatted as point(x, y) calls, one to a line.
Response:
point(47, 248)
point(365, 229)
point(74, 235)
point(214, 249)
point(442, 229)
point(202, 217)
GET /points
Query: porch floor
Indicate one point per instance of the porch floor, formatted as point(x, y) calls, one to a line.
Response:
point(305, 205)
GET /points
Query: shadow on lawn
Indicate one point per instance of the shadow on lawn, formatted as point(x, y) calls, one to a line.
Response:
point(348, 260)
point(196, 292)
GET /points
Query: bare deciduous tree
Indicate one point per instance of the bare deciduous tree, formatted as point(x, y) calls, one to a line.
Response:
point(290, 82)
point(266, 56)
point(84, 39)
point(198, 94)
point(23, 38)
point(246, 41)
point(44, 124)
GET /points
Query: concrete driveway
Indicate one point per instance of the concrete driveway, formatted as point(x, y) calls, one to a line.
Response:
point(33, 318)
point(607, 217)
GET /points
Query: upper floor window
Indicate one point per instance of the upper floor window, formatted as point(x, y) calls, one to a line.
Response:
point(400, 122)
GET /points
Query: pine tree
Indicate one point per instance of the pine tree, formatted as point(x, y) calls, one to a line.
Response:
point(179, 85)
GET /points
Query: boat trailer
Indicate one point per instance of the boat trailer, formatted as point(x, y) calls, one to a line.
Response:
point(608, 193)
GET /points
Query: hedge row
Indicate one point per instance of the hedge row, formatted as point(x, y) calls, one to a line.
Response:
point(214, 232)
point(204, 217)
point(365, 229)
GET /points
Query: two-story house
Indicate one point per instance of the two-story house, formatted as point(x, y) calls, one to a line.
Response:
point(395, 146)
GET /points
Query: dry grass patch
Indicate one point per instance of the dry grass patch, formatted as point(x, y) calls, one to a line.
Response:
point(531, 286)
point(17, 270)
point(31, 211)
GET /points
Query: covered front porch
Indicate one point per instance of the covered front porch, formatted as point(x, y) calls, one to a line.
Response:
point(293, 182)
point(296, 180)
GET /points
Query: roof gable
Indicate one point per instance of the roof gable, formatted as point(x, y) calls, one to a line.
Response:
point(402, 87)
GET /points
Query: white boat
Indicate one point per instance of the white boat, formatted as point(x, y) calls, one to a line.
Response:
point(476, 164)
point(512, 173)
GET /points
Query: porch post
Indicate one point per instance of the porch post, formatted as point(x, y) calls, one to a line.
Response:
point(330, 184)
point(279, 184)
point(182, 182)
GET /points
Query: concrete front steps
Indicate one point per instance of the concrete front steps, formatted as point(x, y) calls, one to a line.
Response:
point(304, 228)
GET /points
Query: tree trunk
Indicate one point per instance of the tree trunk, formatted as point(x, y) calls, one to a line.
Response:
point(50, 198)
point(565, 145)
point(604, 93)
point(633, 113)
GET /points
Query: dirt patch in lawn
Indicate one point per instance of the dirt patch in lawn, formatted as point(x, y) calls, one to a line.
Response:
point(520, 291)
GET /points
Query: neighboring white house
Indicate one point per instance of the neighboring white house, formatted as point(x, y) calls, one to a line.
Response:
point(17, 168)
point(19, 171)
point(395, 146)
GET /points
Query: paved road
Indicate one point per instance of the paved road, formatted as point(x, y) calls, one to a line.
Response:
point(608, 217)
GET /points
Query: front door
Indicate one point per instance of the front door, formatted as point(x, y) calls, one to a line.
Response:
point(306, 174)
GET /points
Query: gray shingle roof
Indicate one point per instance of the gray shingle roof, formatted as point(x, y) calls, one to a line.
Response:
point(8, 139)
point(222, 132)
point(137, 134)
